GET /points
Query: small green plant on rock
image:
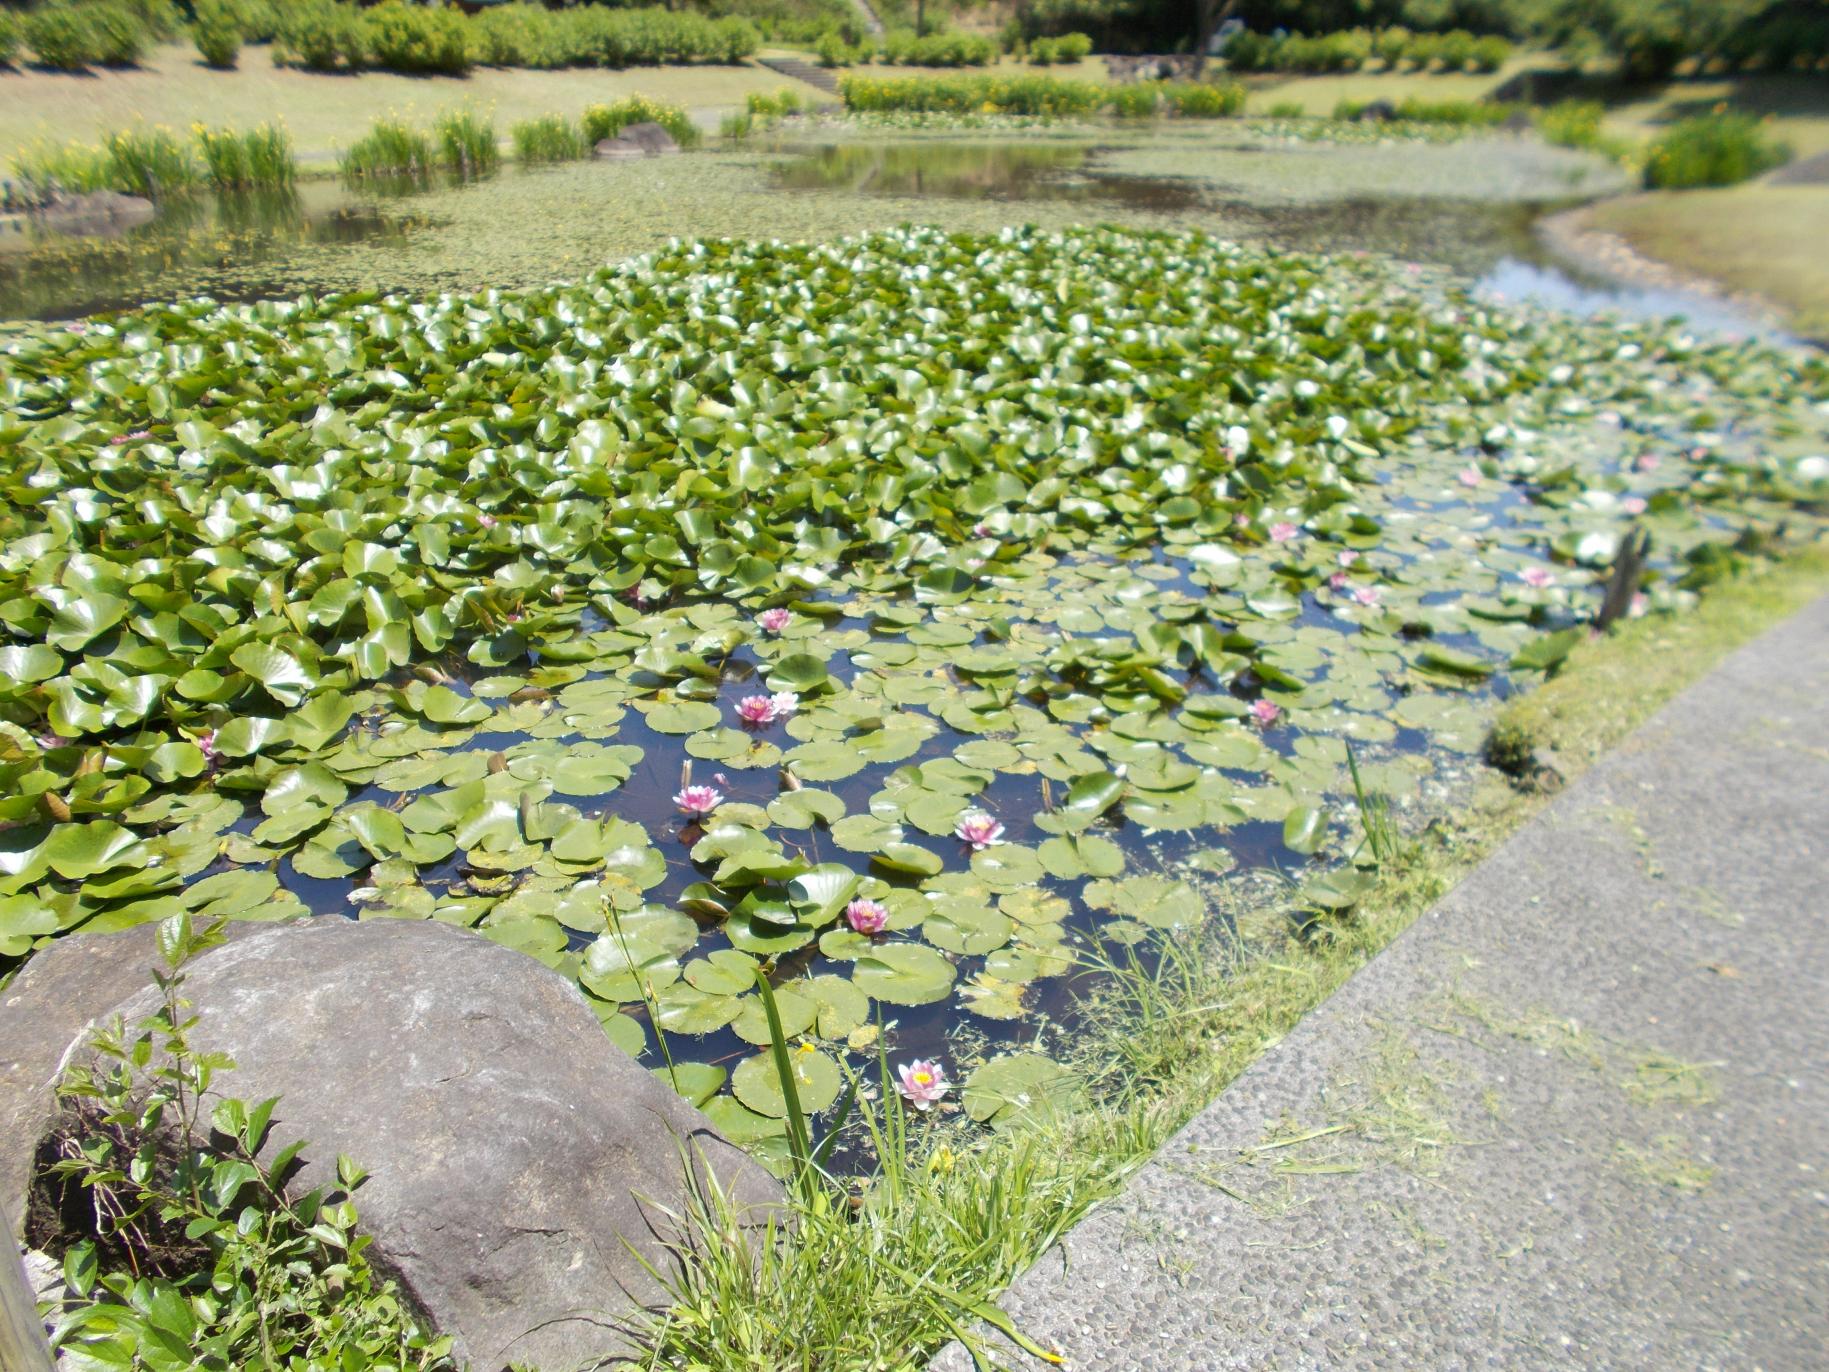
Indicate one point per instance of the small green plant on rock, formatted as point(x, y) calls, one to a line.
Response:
point(187, 1251)
point(1511, 749)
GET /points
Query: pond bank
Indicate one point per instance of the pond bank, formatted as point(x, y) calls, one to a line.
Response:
point(1574, 235)
point(1575, 1075)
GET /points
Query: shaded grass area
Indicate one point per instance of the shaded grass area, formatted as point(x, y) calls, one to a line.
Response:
point(326, 112)
point(955, 1216)
point(1757, 238)
point(1319, 95)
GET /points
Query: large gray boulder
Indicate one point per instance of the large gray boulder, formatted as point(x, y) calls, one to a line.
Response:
point(646, 139)
point(515, 1154)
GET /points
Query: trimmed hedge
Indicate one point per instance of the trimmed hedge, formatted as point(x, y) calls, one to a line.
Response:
point(328, 35)
point(1351, 49)
point(1036, 95)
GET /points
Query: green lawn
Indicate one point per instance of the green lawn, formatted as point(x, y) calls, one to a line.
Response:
point(1319, 94)
point(326, 112)
point(1764, 239)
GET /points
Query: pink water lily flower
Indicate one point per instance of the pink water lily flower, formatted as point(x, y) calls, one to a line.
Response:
point(1266, 712)
point(1367, 595)
point(699, 800)
point(785, 703)
point(1537, 576)
point(979, 829)
point(120, 440)
point(756, 710)
point(1347, 558)
point(1646, 462)
point(1470, 475)
point(1633, 504)
point(1284, 532)
point(485, 521)
point(923, 1083)
point(775, 620)
point(867, 916)
point(1339, 581)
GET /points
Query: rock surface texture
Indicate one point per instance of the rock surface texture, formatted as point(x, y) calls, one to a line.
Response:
point(512, 1148)
point(1574, 1117)
point(646, 139)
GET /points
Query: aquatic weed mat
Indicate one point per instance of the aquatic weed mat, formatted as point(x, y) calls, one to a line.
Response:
point(915, 615)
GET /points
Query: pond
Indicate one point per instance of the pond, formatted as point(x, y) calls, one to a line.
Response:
point(1467, 205)
point(919, 618)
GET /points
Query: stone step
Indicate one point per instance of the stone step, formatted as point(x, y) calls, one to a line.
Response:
point(797, 70)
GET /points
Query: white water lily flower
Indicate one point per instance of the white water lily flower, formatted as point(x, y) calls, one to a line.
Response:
point(1336, 426)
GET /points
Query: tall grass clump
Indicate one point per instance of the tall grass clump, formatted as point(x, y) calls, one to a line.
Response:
point(1718, 149)
point(550, 138)
point(391, 147)
point(151, 162)
point(12, 32)
point(466, 142)
point(606, 121)
point(260, 157)
point(78, 167)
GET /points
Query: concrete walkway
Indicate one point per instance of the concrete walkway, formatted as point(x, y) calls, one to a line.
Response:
point(1576, 1117)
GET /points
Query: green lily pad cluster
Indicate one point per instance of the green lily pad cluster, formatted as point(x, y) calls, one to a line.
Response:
point(426, 608)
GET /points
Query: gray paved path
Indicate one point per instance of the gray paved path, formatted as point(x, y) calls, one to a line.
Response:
point(1577, 1116)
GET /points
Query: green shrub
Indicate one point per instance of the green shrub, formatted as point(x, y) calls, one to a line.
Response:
point(320, 35)
point(739, 125)
point(1288, 109)
point(1390, 45)
point(415, 39)
point(1422, 50)
point(1068, 48)
point(943, 48)
point(514, 36)
point(1202, 99)
point(1047, 96)
point(61, 37)
point(259, 158)
point(150, 162)
point(1716, 149)
point(10, 33)
point(217, 34)
point(832, 50)
point(1490, 52)
point(466, 142)
point(1454, 50)
point(783, 102)
point(391, 147)
point(606, 121)
point(1572, 123)
point(1135, 100)
point(550, 138)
